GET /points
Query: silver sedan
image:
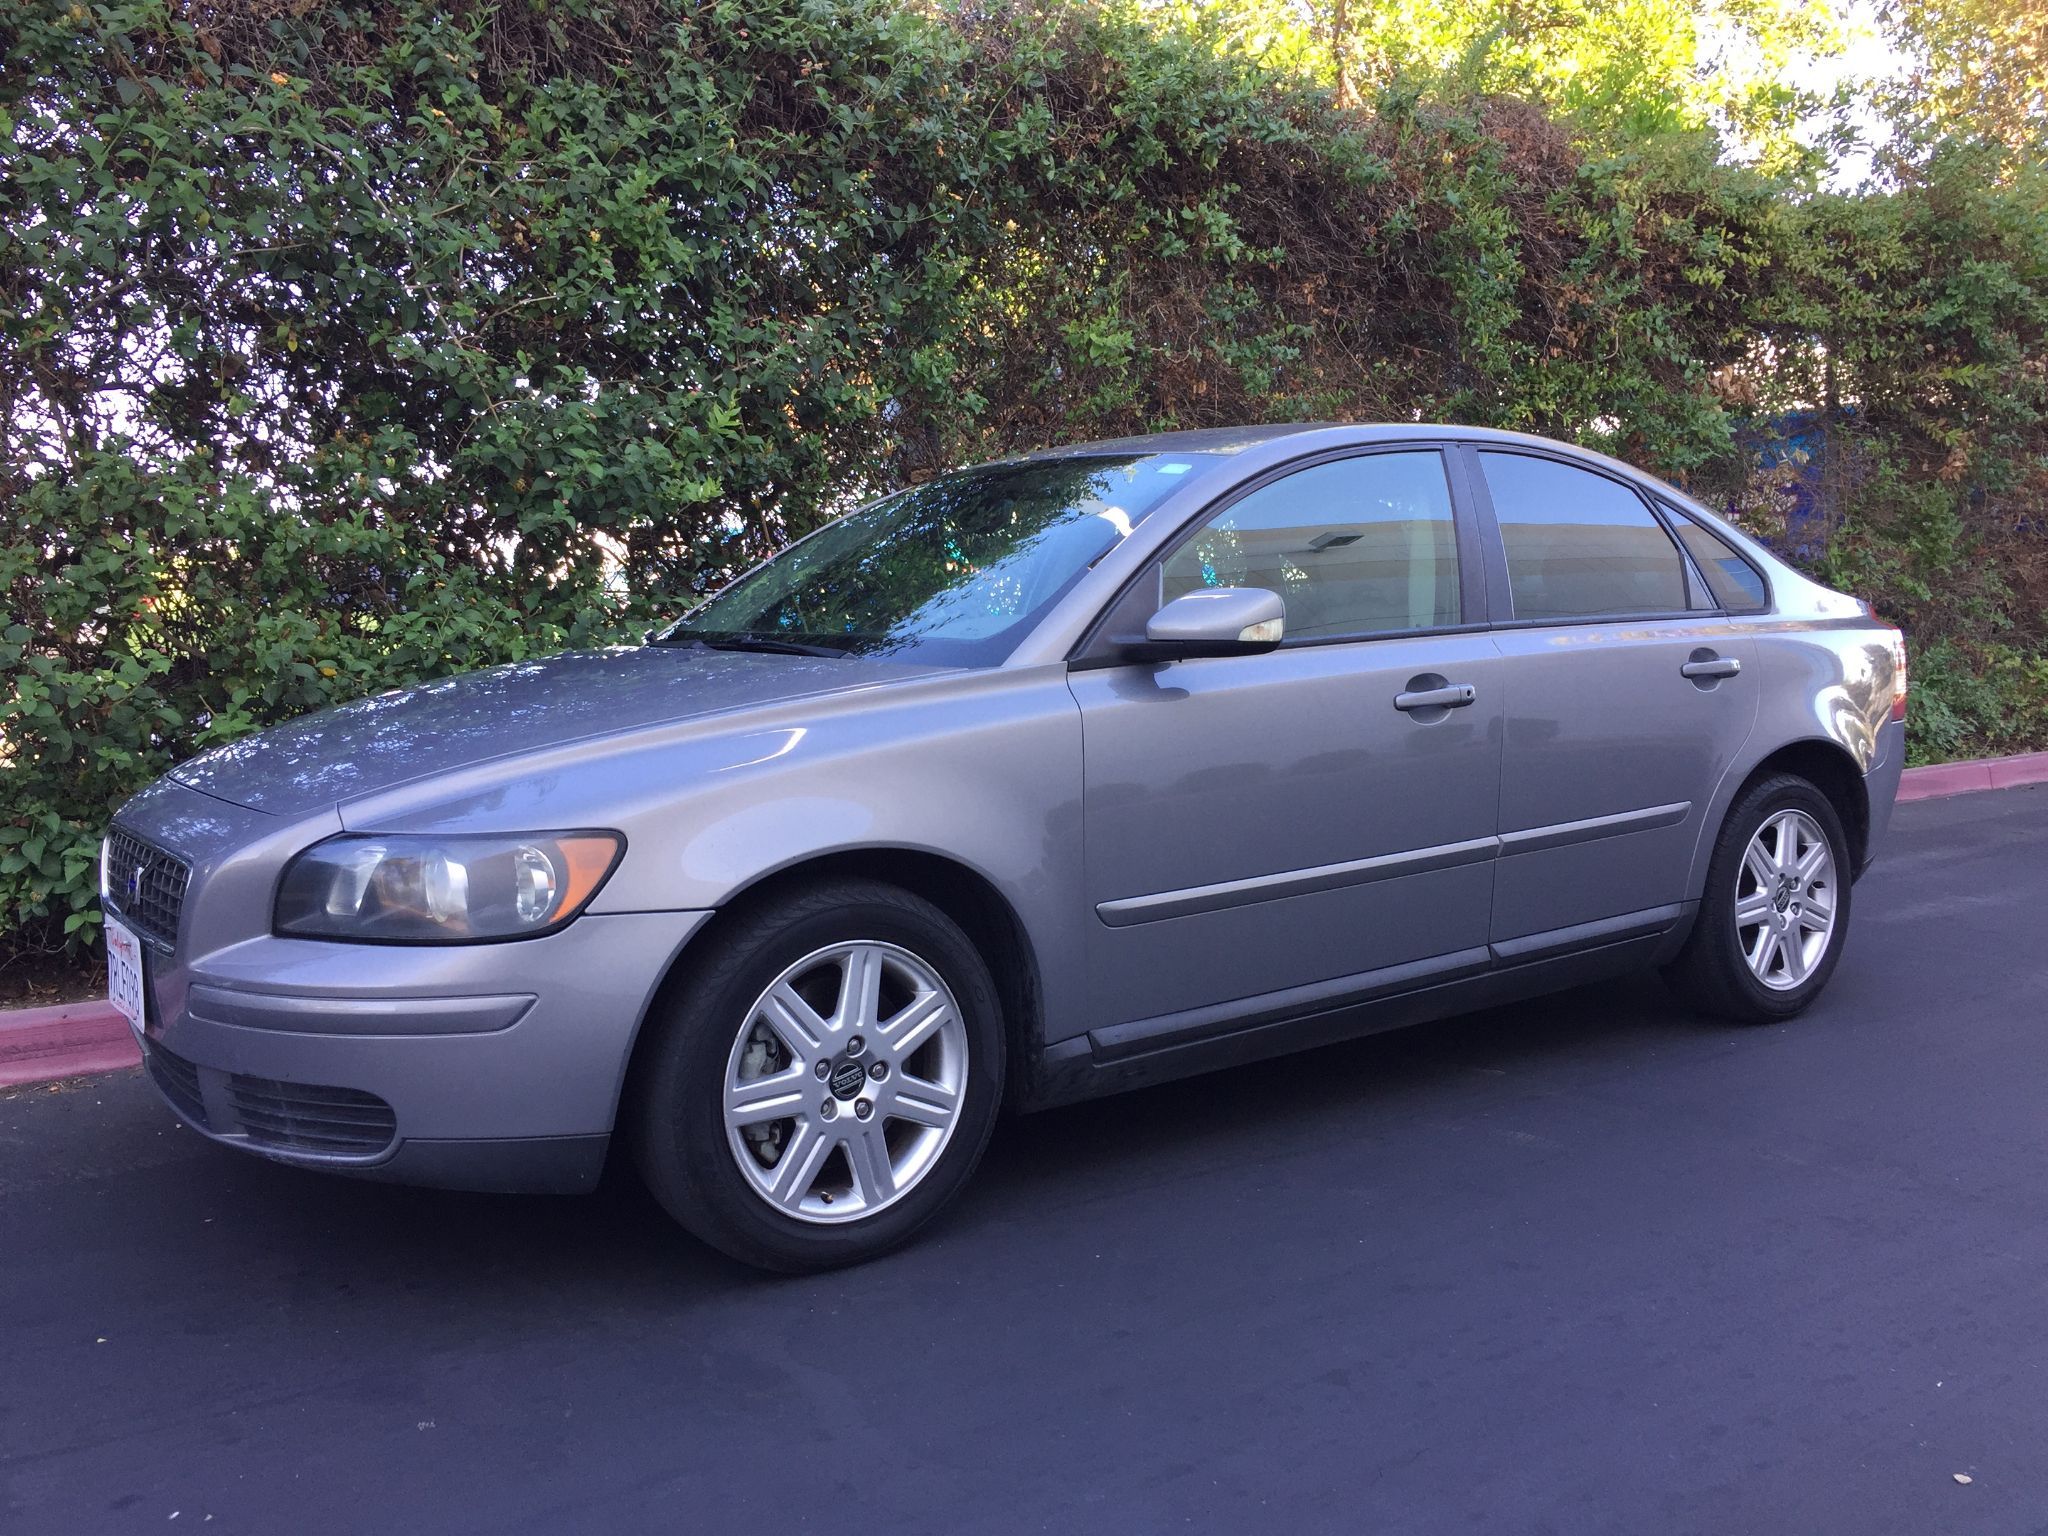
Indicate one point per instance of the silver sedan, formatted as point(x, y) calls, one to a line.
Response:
point(1041, 780)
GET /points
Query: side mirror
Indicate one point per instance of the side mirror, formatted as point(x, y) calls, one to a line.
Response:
point(1215, 621)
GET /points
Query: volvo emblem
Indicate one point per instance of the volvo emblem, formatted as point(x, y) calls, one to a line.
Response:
point(847, 1078)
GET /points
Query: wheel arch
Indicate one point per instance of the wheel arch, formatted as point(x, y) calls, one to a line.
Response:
point(963, 893)
point(1829, 768)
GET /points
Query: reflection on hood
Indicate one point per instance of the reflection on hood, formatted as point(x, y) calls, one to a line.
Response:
point(414, 733)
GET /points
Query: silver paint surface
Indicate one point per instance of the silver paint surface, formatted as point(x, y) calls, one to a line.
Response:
point(1194, 841)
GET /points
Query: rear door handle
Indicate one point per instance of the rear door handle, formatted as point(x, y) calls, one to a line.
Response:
point(1450, 696)
point(1715, 666)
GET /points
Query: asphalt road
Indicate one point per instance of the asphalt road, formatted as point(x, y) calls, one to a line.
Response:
point(1585, 1265)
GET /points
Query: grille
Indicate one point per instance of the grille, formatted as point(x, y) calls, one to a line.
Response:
point(178, 1080)
point(158, 880)
point(303, 1118)
point(289, 1117)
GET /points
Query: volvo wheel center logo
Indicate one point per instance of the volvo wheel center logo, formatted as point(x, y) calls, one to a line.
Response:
point(847, 1078)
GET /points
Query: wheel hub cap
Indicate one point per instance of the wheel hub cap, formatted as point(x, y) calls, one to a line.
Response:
point(848, 1078)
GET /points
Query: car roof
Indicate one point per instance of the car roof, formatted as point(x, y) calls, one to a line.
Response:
point(1229, 440)
point(1196, 440)
point(1338, 435)
point(1225, 440)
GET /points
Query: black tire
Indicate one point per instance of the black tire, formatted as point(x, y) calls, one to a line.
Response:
point(680, 1075)
point(1711, 972)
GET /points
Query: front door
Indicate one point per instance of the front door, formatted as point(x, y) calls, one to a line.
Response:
point(1260, 823)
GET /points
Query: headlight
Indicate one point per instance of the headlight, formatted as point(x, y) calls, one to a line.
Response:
point(443, 890)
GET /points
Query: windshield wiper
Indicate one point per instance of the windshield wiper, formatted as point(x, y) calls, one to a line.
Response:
point(760, 643)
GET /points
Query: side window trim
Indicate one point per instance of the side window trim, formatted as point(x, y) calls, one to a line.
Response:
point(1699, 592)
point(1501, 603)
point(1095, 648)
point(1674, 515)
point(1476, 579)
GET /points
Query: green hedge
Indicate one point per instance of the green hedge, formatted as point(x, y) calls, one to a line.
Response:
point(344, 345)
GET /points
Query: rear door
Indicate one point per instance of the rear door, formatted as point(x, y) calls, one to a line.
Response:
point(1259, 823)
point(1625, 702)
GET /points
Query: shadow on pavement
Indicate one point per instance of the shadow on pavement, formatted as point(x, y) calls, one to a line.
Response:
point(620, 1245)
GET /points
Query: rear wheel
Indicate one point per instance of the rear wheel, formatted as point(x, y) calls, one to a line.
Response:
point(825, 1080)
point(1776, 908)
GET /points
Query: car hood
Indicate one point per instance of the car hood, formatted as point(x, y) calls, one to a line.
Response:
point(408, 734)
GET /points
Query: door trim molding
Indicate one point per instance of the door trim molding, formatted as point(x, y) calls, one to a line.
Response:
point(1127, 911)
point(1561, 833)
point(1607, 930)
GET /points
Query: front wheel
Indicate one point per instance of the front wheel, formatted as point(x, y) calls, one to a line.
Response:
point(824, 1081)
point(1775, 912)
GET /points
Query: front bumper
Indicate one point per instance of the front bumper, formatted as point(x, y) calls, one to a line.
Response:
point(488, 1066)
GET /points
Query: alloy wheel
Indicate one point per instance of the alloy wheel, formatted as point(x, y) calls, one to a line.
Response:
point(1785, 900)
point(845, 1082)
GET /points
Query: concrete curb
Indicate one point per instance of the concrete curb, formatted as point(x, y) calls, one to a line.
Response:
point(41, 1045)
point(1940, 779)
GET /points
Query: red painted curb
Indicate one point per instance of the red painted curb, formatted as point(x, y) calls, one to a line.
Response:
point(1940, 779)
point(40, 1045)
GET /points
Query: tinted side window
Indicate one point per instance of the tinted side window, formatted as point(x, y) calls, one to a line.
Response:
point(1735, 583)
point(1578, 544)
point(1356, 546)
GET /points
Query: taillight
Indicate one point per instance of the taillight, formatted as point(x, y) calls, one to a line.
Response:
point(1898, 676)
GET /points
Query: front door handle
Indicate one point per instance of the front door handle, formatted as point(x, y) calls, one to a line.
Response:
point(1450, 696)
point(1711, 666)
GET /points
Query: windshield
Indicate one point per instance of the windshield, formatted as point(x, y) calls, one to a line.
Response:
point(954, 570)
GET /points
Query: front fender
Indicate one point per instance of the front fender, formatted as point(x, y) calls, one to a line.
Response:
point(981, 768)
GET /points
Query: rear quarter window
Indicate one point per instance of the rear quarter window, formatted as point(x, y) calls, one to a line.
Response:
point(1737, 585)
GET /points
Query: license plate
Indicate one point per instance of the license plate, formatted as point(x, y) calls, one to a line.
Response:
point(124, 971)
